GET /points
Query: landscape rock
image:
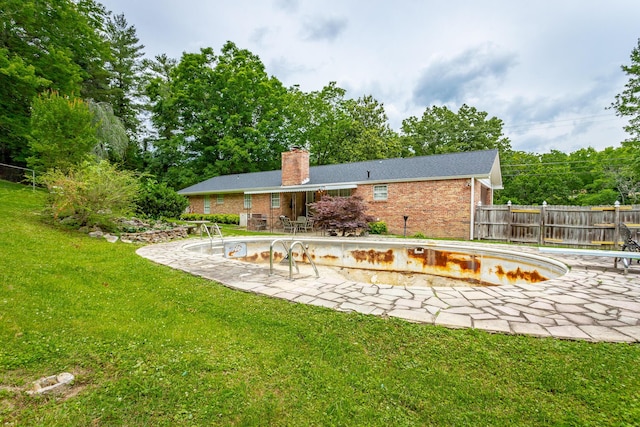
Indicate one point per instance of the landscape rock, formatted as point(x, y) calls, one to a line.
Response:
point(53, 383)
point(111, 238)
point(155, 236)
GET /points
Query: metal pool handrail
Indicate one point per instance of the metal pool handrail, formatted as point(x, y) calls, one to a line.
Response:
point(292, 262)
point(218, 232)
point(304, 249)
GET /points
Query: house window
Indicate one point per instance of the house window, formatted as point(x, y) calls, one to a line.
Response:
point(380, 192)
point(220, 199)
point(275, 200)
point(247, 201)
point(207, 205)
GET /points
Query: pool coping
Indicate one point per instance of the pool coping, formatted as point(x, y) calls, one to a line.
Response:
point(593, 302)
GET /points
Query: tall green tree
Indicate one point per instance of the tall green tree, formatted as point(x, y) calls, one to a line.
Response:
point(18, 85)
point(47, 45)
point(584, 177)
point(531, 178)
point(327, 126)
point(336, 129)
point(247, 120)
point(441, 130)
point(63, 133)
point(627, 103)
point(163, 149)
point(218, 114)
point(125, 66)
point(618, 168)
point(373, 138)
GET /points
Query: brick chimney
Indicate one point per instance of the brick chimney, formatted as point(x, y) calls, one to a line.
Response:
point(295, 167)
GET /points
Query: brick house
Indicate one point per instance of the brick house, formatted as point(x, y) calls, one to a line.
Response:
point(437, 193)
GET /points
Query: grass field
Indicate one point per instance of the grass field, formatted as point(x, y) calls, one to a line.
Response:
point(152, 346)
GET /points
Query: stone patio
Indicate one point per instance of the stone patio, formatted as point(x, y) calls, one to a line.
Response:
point(593, 302)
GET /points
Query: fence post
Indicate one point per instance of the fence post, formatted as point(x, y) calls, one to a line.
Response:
point(478, 215)
point(509, 228)
point(616, 225)
point(541, 232)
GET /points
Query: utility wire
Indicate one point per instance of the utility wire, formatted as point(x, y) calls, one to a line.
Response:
point(542, 123)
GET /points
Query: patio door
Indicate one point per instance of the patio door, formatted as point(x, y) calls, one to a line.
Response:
point(310, 197)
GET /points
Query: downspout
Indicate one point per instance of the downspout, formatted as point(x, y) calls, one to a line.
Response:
point(472, 209)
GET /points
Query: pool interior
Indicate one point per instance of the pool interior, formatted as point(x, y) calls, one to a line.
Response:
point(431, 264)
point(400, 278)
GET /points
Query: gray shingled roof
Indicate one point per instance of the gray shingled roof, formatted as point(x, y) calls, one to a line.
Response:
point(478, 164)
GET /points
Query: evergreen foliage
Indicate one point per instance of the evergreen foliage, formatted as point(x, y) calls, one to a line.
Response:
point(157, 200)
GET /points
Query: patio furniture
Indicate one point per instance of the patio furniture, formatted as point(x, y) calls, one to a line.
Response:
point(257, 222)
point(628, 243)
point(302, 224)
point(198, 226)
point(287, 225)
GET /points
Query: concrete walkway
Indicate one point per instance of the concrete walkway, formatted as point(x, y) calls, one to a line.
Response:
point(593, 302)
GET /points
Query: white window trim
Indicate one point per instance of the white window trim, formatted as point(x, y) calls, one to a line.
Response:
point(380, 192)
point(275, 200)
point(207, 205)
point(247, 201)
point(220, 199)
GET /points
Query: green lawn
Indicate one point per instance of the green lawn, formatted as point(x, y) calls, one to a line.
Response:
point(153, 346)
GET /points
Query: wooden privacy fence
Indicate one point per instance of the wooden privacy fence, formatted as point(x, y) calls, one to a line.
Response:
point(576, 226)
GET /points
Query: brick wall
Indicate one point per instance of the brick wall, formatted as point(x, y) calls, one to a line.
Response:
point(435, 208)
point(231, 204)
point(295, 167)
point(196, 204)
point(234, 204)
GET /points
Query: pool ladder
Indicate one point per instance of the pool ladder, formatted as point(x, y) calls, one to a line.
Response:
point(289, 256)
point(215, 228)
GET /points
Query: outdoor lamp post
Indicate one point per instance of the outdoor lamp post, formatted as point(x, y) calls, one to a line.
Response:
point(406, 217)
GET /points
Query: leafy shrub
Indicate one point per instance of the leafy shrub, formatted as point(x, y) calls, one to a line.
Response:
point(62, 132)
point(346, 214)
point(156, 200)
point(603, 197)
point(419, 236)
point(90, 194)
point(233, 219)
point(379, 227)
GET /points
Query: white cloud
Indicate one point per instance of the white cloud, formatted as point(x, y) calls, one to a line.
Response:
point(454, 80)
point(322, 28)
point(524, 62)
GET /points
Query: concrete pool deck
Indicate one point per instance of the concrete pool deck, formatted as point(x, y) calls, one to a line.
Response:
point(594, 301)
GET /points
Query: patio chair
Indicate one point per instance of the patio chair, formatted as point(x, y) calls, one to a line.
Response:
point(628, 243)
point(303, 223)
point(287, 225)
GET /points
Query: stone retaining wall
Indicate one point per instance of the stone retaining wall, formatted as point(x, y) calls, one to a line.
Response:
point(155, 236)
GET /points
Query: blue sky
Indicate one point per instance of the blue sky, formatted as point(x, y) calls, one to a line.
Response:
point(548, 69)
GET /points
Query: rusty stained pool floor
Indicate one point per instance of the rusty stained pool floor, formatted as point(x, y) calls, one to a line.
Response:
point(594, 301)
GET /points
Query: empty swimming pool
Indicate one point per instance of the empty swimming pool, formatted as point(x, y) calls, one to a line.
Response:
point(394, 262)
